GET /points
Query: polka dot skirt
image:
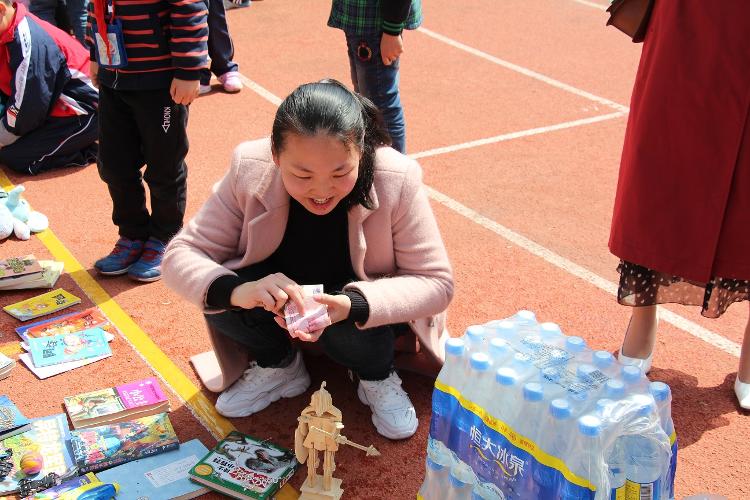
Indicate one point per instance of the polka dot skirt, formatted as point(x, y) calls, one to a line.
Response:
point(641, 286)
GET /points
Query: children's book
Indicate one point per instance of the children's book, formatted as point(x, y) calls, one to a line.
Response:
point(51, 271)
point(40, 305)
point(117, 404)
point(105, 446)
point(241, 466)
point(71, 484)
point(12, 421)
point(6, 365)
point(67, 347)
point(71, 323)
point(50, 437)
point(52, 370)
point(159, 477)
point(15, 267)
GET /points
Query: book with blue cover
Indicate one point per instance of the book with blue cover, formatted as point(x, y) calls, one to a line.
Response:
point(159, 477)
point(49, 436)
point(12, 421)
point(63, 348)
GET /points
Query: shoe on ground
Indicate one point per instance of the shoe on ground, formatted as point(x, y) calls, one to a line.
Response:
point(742, 390)
point(392, 412)
point(643, 364)
point(204, 89)
point(148, 266)
point(259, 387)
point(121, 258)
point(231, 82)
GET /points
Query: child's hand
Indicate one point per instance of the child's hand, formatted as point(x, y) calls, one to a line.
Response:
point(94, 70)
point(184, 91)
point(270, 293)
point(299, 334)
point(391, 47)
point(338, 306)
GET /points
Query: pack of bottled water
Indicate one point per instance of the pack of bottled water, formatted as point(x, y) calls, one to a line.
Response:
point(522, 411)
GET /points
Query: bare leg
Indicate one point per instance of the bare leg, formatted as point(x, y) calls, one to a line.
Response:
point(312, 466)
point(640, 336)
point(743, 373)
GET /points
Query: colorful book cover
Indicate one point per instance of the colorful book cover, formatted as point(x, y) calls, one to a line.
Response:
point(105, 446)
point(50, 437)
point(71, 484)
point(159, 477)
point(75, 322)
point(244, 467)
point(18, 266)
point(113, 400)
point(46, 351)
point(12, 421)
point(47, 303)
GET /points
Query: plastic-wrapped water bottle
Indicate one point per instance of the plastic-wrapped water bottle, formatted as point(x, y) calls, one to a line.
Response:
point(616, 457)
point(551, 333)
point(631, 375)
point(452, 373)
point(663, 397)
point(523, 366)
point(435, 481)
point(605, 362)
point(475, 339)
point(574, 345)
point(586, 458)
point(614, 389)
point(500, 352)
point(460, 482)
point(644, 458)
point(480, 380)
point(486, 491)
point(505, 330)
point(526, 322)
point(507, 401)
point(534, 410)
point(555, 440)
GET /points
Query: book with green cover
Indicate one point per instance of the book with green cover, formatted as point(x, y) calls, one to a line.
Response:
point(242, 466)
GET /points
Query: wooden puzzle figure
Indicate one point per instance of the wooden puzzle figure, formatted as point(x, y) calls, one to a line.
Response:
point(319, 430)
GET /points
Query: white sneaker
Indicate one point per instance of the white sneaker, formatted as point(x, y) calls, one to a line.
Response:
point(392, 412)
point(204, 89)
point(259, 387)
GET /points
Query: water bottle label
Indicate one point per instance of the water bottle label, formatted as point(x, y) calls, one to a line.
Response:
point(499, 455)
point(618, 493)
point(545, 355)
point(641, 491)
point(574, 384)
point(672, 467)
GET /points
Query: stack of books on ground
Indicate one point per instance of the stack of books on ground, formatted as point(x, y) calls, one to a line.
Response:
point(20, 273)
point(6, 365)
point(242, 466)
point(64, 325)
point(116, 404)
point(55, 354)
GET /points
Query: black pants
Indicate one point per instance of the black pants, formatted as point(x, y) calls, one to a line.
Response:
point(220, 48)
point(59, 142)
point(138, 127)
point(368, 353)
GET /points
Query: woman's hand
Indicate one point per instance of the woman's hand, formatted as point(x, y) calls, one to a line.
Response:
point(270, 293)
point(339, 306)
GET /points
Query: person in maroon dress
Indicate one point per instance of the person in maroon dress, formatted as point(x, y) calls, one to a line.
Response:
point(681, 221)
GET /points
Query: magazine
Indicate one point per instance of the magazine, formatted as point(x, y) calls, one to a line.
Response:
point(67, 347)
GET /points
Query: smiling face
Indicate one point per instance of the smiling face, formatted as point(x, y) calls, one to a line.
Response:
point(318, 171)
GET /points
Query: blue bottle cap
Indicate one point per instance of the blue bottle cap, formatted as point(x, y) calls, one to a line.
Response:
point(603, 359)
point(631, 374)
point(506, 376)
point(549, 330)
point(505, 329)
point(575, 344)
point(525, 317)
point(434, 465)
point(614, 389)
point(659, 390)
point(533, 340)
point(455, 346)
point(533, 391)
point(522, 360)
point(499, 347)
point(584, 372)
point(590, 425)
point(602, 405)
point(480, 361)
point(644, 405)
point(475, 333)
point(560, 409)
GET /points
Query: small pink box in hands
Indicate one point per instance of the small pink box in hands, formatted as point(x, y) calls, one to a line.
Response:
point(316, 314)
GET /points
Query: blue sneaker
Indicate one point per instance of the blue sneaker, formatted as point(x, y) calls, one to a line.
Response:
point(125, 253)
point(148, 267)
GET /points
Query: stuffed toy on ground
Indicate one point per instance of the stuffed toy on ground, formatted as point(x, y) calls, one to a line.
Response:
point(16, 216)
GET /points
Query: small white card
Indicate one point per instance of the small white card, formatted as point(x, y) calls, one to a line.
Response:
point(170, 473)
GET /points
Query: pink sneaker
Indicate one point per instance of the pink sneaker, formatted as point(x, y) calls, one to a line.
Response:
point(231, 82)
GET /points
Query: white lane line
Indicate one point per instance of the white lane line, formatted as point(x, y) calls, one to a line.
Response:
point(516, 135)
point(591, 4)
point(538, 250)
point(525, 71)
point(571, 267)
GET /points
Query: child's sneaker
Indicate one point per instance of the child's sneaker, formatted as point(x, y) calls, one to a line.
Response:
point(231, 81)
point(204, 89)
point(259, 387)
point(148, 267)
point(119, 260)
point(392, 412)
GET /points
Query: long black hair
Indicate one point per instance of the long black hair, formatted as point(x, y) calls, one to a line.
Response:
point(329, 107)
